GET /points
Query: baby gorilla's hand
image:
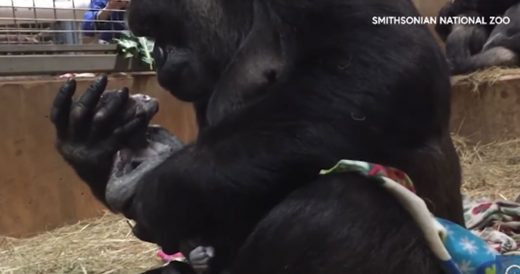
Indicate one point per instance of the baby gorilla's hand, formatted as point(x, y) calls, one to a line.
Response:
point(200, 256)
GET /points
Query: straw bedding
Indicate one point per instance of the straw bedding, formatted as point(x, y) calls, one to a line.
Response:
point(103, 245)
point(490, 170)
point(487, 77)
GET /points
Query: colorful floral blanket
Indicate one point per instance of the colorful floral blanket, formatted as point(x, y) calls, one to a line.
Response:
point(496, 222)
point(489, 244)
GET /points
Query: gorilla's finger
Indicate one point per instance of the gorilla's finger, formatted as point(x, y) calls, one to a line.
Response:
point(83, 109)
point(61, 107)
point(112, 106)
point(128, 129)
point(104, 118)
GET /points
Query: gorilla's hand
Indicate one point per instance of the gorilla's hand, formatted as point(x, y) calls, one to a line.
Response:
point(87, 135)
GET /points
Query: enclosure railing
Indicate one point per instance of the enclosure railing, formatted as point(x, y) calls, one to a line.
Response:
point(56, 36)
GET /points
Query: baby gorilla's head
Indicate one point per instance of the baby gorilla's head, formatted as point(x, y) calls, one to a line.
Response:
point(141, 104)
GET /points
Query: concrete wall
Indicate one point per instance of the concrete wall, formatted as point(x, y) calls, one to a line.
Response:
point(38, 191)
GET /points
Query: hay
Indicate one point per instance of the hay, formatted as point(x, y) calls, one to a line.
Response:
point(487, 77)
point(490, 170)
point(106, 245)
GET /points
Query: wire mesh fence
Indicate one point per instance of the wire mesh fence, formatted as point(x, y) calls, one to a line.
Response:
point(61, 36)
point(64, 22)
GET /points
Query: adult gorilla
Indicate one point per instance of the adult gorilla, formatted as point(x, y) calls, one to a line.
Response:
point(482, 8)
point(284, 89)
point(473, 47)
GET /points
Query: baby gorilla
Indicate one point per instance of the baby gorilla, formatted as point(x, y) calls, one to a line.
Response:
point(139, 154)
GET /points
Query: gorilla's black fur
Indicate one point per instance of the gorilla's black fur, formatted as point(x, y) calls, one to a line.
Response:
point(282, 90)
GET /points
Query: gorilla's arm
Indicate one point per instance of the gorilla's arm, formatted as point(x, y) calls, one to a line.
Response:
point(233, 172)
point(217, 189)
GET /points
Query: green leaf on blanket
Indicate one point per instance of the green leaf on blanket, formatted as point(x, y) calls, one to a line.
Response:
point(491, 270)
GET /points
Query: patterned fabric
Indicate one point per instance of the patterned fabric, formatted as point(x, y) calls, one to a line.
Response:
point(373, 170)
point(458, 249)
point(170, 258)
point(470, 253)
point(498, 223)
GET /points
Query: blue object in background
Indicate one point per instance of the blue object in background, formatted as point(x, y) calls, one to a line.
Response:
point(90, 25)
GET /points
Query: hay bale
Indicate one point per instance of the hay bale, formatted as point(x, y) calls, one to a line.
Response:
point(103, 245)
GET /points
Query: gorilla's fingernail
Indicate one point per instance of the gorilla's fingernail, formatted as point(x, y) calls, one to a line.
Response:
point(70, 81)
point(124, 91)
point(102, 79)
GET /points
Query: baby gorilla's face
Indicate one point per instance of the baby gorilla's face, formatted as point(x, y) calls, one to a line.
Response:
point(141, 105)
